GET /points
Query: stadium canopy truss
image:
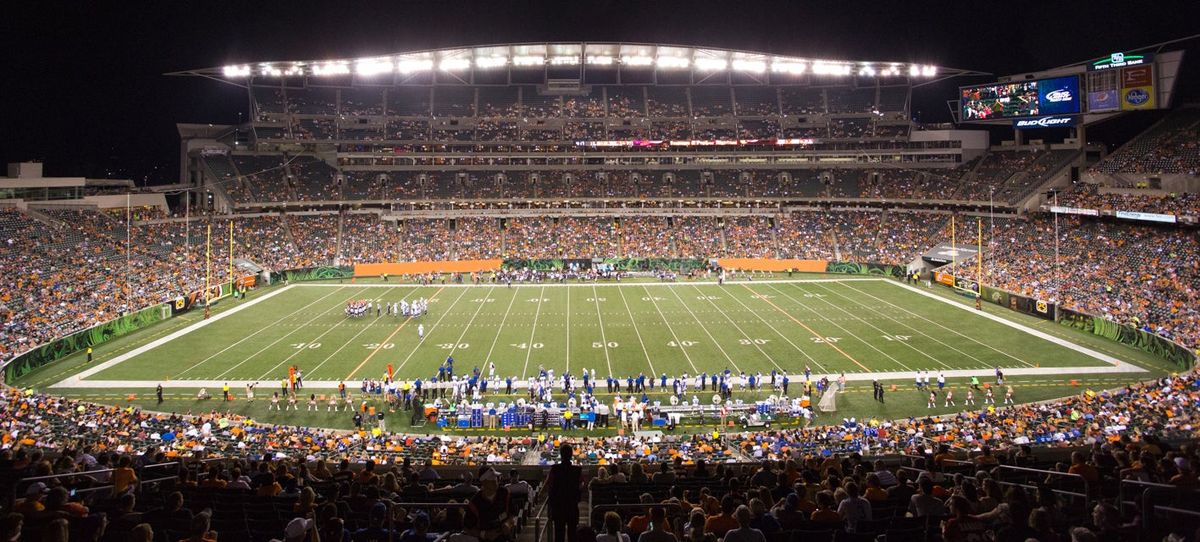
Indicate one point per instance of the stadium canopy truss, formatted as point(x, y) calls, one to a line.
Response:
point(574, 63)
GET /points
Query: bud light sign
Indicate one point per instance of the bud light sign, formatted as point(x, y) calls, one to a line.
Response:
point(1058, 96)
point(1044, 122)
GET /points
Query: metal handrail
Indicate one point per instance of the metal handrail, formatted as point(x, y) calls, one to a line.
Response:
point(1087, 486)
point(1148, 485)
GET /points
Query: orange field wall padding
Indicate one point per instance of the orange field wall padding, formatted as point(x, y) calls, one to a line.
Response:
point(765, 264)
point(417, 268)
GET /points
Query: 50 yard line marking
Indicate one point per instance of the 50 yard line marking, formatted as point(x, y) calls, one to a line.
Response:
point(536, 314)
point(810, 330)
point(633, 323)
point(603, 337)
point(397, 330)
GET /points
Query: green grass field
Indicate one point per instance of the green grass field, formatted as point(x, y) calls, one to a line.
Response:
point(867, 328)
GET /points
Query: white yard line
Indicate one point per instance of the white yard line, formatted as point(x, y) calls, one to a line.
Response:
point(979, 313)
point(633, 323)
point(254, 334)
point(159, 342)
point(906, 376)
point(678, 343)
point(532, 332)
point(568, 369)
point(777, 332)
point(603, 336)
point(879, 329)
point(705, 329)
point(609, 284)
point(740, 331)
point(429, 332)
point(839, 326)
point(913, 328)
point(500, 329)
point(483, 301)
point(364, 329)
point(298, 350)
point(286, 335)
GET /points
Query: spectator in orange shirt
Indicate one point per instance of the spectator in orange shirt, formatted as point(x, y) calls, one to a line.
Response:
point(826, 512)
point(720, 524)
point(1080, 466)
point(123, 477)
point(638, 524)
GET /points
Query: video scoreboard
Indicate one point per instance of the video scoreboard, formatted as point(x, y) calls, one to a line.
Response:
point(1055, 96)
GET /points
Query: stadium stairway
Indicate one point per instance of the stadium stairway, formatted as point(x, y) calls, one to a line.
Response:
point(340, 231)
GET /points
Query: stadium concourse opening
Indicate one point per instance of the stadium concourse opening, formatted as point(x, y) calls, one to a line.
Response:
point(619, 263)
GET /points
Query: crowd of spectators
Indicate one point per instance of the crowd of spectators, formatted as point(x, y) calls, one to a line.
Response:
point(1088, 196)
point(73, 275)
point(815, 479)
point(1141, 275)
point(1170, 147)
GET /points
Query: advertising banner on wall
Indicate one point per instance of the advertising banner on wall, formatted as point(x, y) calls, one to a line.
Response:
point(1137, 87)
point(81, 340)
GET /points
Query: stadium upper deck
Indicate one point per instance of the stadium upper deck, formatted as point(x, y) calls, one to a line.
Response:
point(579, 92)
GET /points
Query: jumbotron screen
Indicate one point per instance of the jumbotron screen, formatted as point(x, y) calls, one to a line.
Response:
point(1058, 96)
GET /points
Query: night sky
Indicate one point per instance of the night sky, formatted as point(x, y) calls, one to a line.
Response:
point(83, 90)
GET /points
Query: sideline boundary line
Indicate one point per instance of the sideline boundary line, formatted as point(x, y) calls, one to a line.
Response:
point(161, 341)
point(1021, 327)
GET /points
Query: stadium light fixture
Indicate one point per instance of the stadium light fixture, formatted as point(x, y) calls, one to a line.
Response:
point(486, 62)
point(268, 70)
point(710, 64)
point(600, 60)
point(829, 68)
point(673, 62)
point(637, 60)
point(454, 64)
point(373, 66)
point(411, 65)
point(866, 71)
point(929, 71)
point(335, 67)
point(792, 67)
point(237, 71)
point(295, 70)
point(752, 66)
point(891, 71)
point(564, 60)
point(529, 60)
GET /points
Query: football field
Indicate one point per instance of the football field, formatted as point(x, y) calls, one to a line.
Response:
point(864, 327)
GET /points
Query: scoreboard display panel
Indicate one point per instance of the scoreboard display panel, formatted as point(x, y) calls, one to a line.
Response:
point(1057, 96)
point(1003, 100)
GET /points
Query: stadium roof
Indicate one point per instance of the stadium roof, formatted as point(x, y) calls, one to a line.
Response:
point(558, 59)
